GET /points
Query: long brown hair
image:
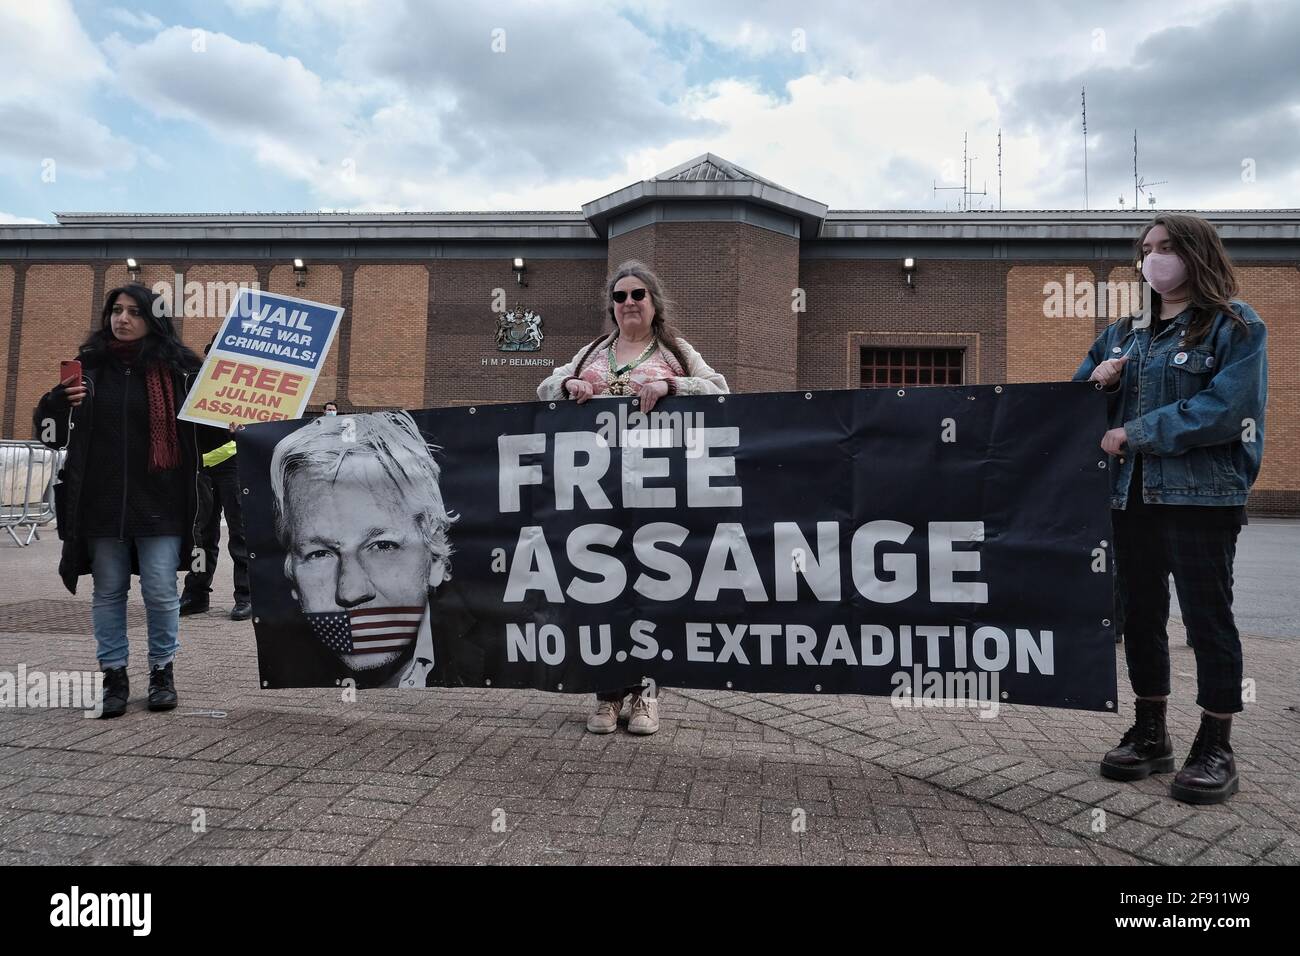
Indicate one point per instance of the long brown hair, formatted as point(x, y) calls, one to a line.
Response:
point(661, 325)
point(1211, 280)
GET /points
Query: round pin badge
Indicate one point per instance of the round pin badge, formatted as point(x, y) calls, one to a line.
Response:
point(1115, 350)
point(1180, 358)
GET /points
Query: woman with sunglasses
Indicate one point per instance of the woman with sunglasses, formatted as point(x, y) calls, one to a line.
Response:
point(644, 356)
point(1186, 391)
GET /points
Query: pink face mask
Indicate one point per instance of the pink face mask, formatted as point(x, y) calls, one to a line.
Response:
point(1164, 270)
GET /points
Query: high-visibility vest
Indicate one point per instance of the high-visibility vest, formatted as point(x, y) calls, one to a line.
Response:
point(218, 455)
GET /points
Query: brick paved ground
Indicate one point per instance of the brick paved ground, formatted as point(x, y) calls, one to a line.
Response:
point(399, 777)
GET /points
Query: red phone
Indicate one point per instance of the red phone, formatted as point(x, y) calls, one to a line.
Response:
point(68, 370)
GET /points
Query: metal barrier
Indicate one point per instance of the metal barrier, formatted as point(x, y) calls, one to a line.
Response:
point(27, 473)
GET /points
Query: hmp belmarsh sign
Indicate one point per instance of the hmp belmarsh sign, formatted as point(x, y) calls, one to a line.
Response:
point(927, 541)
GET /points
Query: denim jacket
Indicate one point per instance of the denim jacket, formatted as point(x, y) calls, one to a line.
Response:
point(1196, 415)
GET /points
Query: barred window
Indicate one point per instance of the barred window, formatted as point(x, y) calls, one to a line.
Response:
point(902, 367)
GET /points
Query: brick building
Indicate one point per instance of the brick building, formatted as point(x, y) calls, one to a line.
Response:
point(776, 290)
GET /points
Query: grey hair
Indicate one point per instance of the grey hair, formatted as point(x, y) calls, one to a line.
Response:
point(662, 324)
point(391, 438)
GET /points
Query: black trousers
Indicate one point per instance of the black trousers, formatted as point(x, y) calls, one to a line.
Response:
point(225, 498)
point(1153, 542)
point(620, 694)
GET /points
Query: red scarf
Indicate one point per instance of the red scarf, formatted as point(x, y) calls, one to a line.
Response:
point(164, 446)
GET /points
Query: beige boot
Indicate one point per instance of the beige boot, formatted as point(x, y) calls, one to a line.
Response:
point(605, 718)
point(645, 715)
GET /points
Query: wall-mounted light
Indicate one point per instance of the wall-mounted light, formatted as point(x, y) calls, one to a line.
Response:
point(909, 270)
point(133, 270)
point(299, 273)
point(520, 268)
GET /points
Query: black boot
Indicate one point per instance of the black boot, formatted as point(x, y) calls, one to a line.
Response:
point(117, 689)
point(194, 602)
point(1145, 749)
point(242, 611)
point(162, 688)
point(1210, 774)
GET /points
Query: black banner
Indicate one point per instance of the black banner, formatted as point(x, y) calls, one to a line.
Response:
point(928, 544)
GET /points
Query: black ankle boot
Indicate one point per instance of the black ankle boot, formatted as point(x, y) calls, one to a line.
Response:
point(162, 688)
point(194, 602)
point(1145, 749)
point(1210, 774)
point(117, 690)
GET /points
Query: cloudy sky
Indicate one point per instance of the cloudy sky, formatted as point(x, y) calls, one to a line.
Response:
point(234, 105)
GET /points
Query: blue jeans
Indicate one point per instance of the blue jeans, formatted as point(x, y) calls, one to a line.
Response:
point(110, 563)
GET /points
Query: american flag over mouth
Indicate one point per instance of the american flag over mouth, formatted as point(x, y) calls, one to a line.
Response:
point(367, 630)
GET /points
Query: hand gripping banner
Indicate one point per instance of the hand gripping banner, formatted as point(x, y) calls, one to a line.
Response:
point(932, 542)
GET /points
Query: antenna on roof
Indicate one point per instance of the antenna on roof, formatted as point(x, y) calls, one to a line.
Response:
point(999, 170)
point(1140, 185)
point(963, 202)
point(1083, 99)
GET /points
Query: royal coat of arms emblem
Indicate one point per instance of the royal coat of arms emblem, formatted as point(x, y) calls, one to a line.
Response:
point(519, 331)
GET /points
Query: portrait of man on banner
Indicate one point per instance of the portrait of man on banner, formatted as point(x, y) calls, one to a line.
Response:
point(360, 514)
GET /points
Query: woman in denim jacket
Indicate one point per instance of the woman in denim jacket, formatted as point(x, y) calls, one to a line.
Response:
point(1186, 385)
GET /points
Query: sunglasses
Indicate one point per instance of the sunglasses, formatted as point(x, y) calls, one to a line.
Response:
point(621, 295)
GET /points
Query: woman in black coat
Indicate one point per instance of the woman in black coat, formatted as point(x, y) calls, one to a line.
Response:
point(127, 497)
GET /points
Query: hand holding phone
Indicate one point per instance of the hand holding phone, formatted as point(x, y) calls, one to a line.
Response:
point(70, 379)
